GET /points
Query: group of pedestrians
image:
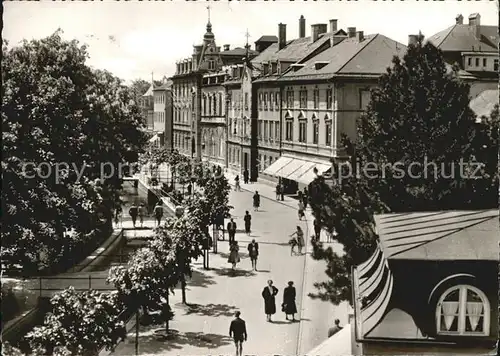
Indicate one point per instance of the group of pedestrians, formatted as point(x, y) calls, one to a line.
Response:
point(289, 306)
point(246, 178)
point(234, 256)
point(141, 212)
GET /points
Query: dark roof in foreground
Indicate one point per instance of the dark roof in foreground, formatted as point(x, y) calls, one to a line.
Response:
point(439, 236)
point(483, 104)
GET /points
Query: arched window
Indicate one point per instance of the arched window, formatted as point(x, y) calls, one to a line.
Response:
point(463, 310)
point(220, 104)
point(204, 104)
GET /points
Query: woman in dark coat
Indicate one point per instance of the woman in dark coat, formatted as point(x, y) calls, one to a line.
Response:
point(269, 294)
point(289, 307)
point(256, 201)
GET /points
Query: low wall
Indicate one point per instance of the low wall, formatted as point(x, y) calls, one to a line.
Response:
point(15, 329)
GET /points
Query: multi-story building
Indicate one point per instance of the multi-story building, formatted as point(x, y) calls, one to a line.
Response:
point(162, 117)
point(431, 287)
point(241, 114)
point(146, 105)
point(474, 47)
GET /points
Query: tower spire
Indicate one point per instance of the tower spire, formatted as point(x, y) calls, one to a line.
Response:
point(247, 35)
point(208, 9)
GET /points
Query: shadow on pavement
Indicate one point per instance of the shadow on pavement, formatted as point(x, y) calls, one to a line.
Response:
point(211, 309)
point(200, 279)
point(234, 272)
point(153, 345)
point(226, 255)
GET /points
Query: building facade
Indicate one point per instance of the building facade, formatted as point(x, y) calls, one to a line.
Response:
point(162, 116)
point(146, 105)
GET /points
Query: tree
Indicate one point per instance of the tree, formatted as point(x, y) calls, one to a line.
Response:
point(84, 323)
point(148, 278)
point(49, 188)
point(9, 350)
point(139, 87)
point(216, 191)
point(418, 113)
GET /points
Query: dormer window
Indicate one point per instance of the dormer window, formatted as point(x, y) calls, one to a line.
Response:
point(320, 64)
point(296, 66)
point(463, 310)
point(266, 68)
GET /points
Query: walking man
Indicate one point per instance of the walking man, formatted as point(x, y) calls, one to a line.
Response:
point(142, 213)
point(231, 230)
point(256, 201)
point(238, 331)
point(245, 176)
point(278, 191)
point(158, 211)
point(133, 212)
point(317, 229)
point(253, 252)
point(248, 222)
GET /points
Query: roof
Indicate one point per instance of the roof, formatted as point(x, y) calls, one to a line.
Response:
point(166, 85)
point(149, 92)
point(267, 38)
point(483, 104)
point(440, 236)
point(239, 51)
point(297, 49)
point(461, 38)
point(371, 56)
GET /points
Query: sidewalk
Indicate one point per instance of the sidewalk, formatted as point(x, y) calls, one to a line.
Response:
point(321, 313)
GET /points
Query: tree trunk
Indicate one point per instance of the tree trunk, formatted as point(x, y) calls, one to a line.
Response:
point(183, 288)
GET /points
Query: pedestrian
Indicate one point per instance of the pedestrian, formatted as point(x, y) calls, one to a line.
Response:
point(301, 210)
point(289, 307)
point(133, 211)
point(269, 295)
point(118, 216)
point(142, 213)
point(237, 184)
point(248, 222)
point(282, 190)
point(238, 331)
point(335, 329)
point(278, 191)
point(189, 189)
point(231, 231)
point(234, 256)
point(305, 197)
point(245, 176)
point(317, 229)
point(300, 239)
point(253, 252)
point(256, 201)
point(292, 242)
point(158, 211)
point(331, 235)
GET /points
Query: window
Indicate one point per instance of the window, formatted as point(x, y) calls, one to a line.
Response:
point(220, 104)
point(270, 161)
point(302, 131)
point(463, 310)
point(259, 135)
point(271, 101)
point(289, 98)
point(277, 101)
point(364, 98)
point(316, 98)
point(264, 162)
point(266, 130)
point(303, 99)
point(289, 130)
point(484, 62)
point(469, 61)
point(271, 130)
point(246, 101)
point(265, 101)
point(328, 133)
point(277, 131)
point(495, 65)
point(315, 131)
point(260, 101)
point(216, 104)
point(329, 98)
point(260, 163)
point(209, 110)
point(477, 62)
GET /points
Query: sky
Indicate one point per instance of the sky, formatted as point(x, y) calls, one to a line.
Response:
point(135, 39)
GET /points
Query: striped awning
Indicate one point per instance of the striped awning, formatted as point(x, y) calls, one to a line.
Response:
point(297, 169)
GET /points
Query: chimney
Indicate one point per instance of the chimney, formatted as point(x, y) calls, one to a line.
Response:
point(351, 32)
point(333, 25)
point(475, 24)
point(412, 40)
point(360, 36)
point(302, 27)
point(226, 47)
point(282, 35)
point(317, 30)
point(459, 20)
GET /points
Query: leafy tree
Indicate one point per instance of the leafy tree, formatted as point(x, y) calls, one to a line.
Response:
point(148, 277)
point(83, 323)
point(418, 113)
point(216, 191)
point(139, 87)
point(69, 105)
point(9, 350)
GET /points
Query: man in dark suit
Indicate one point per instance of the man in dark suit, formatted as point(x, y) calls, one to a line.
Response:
point(238, 331)
point(253, 252)
point(231, 230)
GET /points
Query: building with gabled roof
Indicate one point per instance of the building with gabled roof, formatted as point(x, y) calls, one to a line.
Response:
point(474, 47)
point(431, 286)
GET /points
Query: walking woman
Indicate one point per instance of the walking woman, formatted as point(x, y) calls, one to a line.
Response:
point(299, 234)
point(289, 307)
point(142, 213)
point(269, 294)
point(248, 222)
point(237, 184)
point(256, 201)
point(234, 256)
point(118, 216)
